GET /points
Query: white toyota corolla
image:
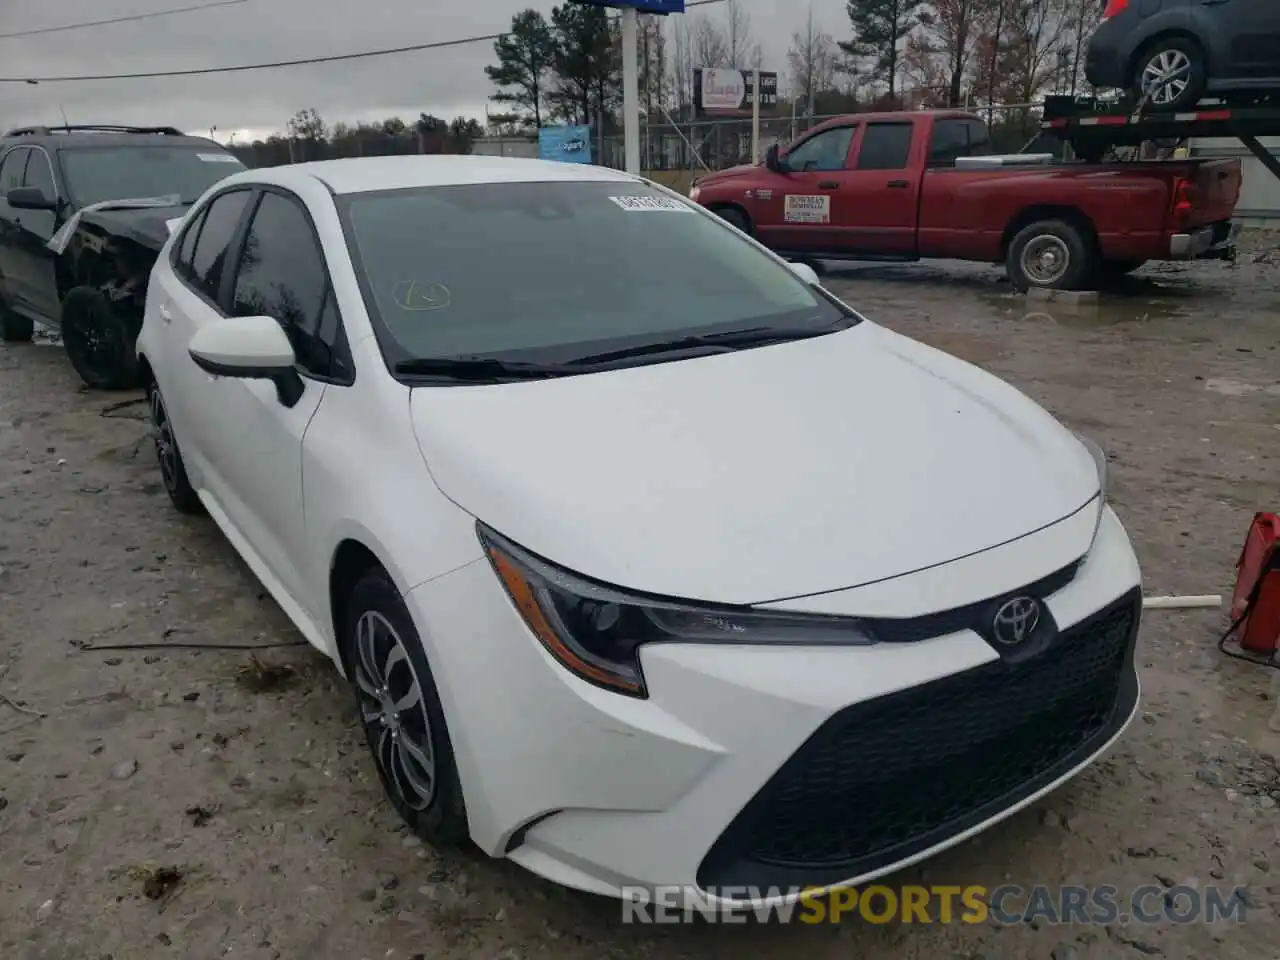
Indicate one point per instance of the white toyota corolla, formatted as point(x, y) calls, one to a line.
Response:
point(649, 561)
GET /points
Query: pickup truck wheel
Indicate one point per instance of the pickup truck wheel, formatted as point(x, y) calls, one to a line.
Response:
point(13, 327)
point(735, 217)
point(99, 341)
point(1174, 69)
point(1052, 254)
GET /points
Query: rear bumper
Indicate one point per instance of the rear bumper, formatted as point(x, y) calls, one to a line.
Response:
point(1215, 242)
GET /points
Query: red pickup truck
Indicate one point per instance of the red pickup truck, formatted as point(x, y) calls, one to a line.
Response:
point(905, 186)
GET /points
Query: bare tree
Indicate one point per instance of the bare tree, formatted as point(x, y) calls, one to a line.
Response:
point(741, 50)
point(950, 36)
point(812, 61)
point(681, 61)
point(710, 47)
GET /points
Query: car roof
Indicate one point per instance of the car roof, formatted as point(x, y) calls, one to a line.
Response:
point(366, 174)
point(76, 141)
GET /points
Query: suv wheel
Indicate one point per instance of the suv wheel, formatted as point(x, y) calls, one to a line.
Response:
point(99, 341)
point(13, 327)
point(1174, 69)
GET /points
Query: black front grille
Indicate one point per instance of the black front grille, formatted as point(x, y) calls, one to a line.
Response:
point(885, 779)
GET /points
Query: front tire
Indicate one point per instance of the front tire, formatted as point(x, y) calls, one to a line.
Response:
point(735, 218)
point(173, 471)
point(1178, 60)
point(99, 341)
point(1050, 254)
point(400, 710)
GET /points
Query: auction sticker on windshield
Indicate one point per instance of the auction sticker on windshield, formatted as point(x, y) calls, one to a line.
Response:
point(802, 209)
point(644, 204)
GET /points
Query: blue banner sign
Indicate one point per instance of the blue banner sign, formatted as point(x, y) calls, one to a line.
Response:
point(566, 144)
point(661, 7)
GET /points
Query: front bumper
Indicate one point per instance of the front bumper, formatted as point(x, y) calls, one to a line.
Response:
point(768, 766)
point(1217, 241)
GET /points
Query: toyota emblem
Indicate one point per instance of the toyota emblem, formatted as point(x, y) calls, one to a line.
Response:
point(1016, 620)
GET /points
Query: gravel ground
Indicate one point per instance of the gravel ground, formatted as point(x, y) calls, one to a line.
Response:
point(172, 802)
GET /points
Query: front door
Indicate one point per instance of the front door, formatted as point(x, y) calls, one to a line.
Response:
point(37, 229)
point(800, 213)
point(881, 191)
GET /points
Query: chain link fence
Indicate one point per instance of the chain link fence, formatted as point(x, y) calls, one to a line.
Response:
point(716, 144)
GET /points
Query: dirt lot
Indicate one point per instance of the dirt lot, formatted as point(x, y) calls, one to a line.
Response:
point(248, 780)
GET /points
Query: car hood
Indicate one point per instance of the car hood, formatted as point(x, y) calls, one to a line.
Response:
point(729, 173)
point(144, 225)
point(757, 475)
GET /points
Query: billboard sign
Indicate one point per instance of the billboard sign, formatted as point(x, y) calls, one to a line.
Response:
point(660, 7)
point(722, 92)
point(565, 144)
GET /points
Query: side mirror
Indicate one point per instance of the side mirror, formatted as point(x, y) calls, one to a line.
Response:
point(30, 198)
point(773, 161)
point(805, 273)
point(251, 348)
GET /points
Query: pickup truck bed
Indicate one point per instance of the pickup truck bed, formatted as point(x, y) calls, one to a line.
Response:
point(886, 186)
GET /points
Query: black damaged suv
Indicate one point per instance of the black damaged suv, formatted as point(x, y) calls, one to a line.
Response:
point(94, 290)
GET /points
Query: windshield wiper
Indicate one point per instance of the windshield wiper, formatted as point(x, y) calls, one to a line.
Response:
point(719, 342)
point(479, 369)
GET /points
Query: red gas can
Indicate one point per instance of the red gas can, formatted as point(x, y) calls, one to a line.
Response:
point(1255, 604)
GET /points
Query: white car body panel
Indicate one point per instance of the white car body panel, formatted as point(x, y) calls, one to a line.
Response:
point(925, 485)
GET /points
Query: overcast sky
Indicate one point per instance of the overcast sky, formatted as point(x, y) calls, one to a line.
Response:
point(445, 82)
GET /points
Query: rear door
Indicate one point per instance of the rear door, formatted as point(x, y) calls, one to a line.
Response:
point(881, 194)
point(1252, 28)
point(802, 213)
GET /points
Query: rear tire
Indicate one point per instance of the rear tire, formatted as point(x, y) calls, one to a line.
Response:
point(173, 471)
point(400, 710)
point(735, 217)
point(99, 341)
point(1166, 55)
point(14, 328)
point(1050, 254)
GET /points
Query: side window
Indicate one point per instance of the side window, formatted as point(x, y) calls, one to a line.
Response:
point(281, 275)
point(950, 141)
point(11, 171)
point(827, 150)
point(208, 261)
point(40, 174)
point(958, 137)
point(187, 246)
point(885, 146)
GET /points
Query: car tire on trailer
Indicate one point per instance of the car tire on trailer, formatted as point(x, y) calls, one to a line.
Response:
point(1051, 254)
point(14, 328)
point(173, 472)
point(400, 710)
point(1165, 55)
point(736, 217)
point(99, 341)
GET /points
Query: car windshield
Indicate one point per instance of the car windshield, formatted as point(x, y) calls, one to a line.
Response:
point(553, 272)
point(95, 174)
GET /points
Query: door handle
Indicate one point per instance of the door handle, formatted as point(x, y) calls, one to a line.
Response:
point(899, 184)
point(829, 184)
point(165, 315)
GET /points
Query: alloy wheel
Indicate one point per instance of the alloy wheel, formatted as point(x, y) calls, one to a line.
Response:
point(393, 711)
point(166, 449)
point(1167, 76)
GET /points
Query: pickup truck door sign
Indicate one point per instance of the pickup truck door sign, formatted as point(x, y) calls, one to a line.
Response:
point(807, 209)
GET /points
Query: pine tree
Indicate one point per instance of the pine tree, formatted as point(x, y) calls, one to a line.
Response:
point(879, 26)
point(524, 56)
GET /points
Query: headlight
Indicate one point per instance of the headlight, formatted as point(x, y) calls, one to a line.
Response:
point(595, 631)
point(1100, 462)
point(694, 192)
